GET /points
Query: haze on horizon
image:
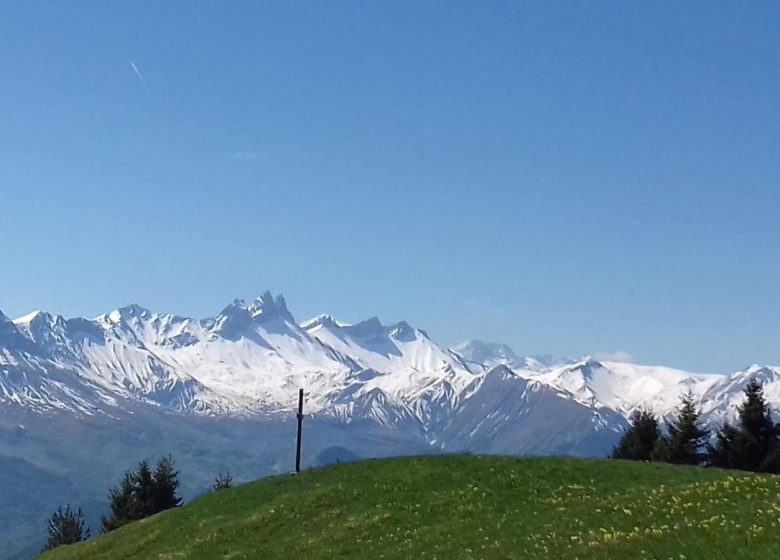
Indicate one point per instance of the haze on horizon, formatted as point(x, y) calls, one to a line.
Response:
point(564, 179)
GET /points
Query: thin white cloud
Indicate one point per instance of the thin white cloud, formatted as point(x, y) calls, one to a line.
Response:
point(140, 76)
point(617, 356)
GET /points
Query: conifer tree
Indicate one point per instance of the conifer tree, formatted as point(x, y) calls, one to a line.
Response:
point(122, 502)
point(222, 481)
point(142, 493)
point(754, 443)
point(684, 439)
point(165, 486)
point(639, 439)
point(143, 499)
point(66, 526)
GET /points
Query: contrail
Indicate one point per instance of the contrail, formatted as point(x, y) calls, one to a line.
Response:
point(140, 76)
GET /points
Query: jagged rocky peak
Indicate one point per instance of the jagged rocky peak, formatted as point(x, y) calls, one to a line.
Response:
point(268, 305)
point(42, 327)
point(403, 331)
point(327, 321)
point(265, 306)
point(240, 315)
point(4, 318)
point(6, 325)
point(132, 312)
point(11, 337)
point(501, 371)
point(40, 320)
point(762, 374)
point(374, 329)
point(31, 317)
point(370, 328)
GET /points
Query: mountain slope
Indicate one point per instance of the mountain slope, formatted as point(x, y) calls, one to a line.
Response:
point(466, 507)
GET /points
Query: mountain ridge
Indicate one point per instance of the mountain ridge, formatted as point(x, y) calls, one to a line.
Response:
point(253, 355)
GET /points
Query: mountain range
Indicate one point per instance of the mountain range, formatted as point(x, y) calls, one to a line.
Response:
point(82, 399)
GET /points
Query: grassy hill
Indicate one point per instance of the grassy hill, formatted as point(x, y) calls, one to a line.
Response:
point(467, 507)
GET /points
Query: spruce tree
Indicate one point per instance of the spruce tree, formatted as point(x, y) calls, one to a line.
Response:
point(639, 439)
point(66, 526)
point(122, 502)
point(143, 502)
point(165, 485)
point(753, 444)
point(142, 493)
point(684, 438)
point(723, 452)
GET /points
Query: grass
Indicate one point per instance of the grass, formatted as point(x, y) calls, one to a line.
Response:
point(462, 507)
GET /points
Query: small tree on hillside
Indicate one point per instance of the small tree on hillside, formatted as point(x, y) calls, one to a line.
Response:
point(223, 481)
point(684, 439)
point(754, 443)
point(165, 485)
point(66, 526)
point(142, 493)
point(639, 439)
point(123, 502)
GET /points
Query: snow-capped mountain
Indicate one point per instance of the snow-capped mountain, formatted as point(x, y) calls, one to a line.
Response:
point(493, 354)
point(93, 395)
point(252, 357)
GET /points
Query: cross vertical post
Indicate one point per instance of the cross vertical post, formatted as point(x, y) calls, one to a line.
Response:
point(300, 432)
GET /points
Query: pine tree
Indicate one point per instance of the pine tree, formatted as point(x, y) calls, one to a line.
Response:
point(723, 453)
point(752, 445)
point(165, 485)
point(122, 502)
point(684, 438)
point(142, 493)
point(143, 499)
point(222, 481)
point(66, 526)
point(639, 439)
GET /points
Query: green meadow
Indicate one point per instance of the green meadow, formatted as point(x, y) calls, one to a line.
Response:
point(464, 507)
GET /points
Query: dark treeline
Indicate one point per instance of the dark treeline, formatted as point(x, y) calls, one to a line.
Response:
point(751, 444)
point(142, 492)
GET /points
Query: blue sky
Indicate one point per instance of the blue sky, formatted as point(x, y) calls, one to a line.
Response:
point(567, 178)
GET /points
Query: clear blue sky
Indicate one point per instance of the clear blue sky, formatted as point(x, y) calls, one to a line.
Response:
point(565, 177)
